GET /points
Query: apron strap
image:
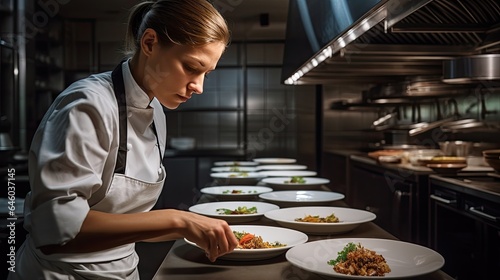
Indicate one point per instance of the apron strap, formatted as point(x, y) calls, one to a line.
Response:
point(119, 89)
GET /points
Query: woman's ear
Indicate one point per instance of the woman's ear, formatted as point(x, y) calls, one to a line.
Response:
point(148, 39)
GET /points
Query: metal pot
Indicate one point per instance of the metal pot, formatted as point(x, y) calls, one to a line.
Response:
point(455, 148)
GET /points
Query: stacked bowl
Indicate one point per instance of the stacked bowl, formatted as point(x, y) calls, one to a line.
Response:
point(492, 158)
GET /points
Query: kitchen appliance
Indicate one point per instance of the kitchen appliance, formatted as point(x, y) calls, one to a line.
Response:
point(455, 148)
point(384, 41)
point(475, 68)
point(465, 223)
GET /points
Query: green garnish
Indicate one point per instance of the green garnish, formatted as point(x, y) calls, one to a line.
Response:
point(239, 210)
point(342, 255)
point(296, 180)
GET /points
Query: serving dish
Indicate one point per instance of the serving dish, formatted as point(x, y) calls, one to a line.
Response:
point(234, 169)
point(210, 209)
point(286, 236)
point(447, 168)
point(274, 160)
point(406, 260)
point(349, 219)
point(301, 198)
point(281, 167)
point(445, 160)
point(237, 178)
point(236, 163)
point(283, 183)
point(235, 192)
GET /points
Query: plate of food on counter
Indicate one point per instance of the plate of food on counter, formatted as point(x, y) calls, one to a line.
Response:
point(320, 220)
point(235, 192)
point(236, 163)
point(295, 183)
point(261, 242)
point(287, 173)
point(274, 160)
point(234, 211)
point(365, 258)
point(234, 169)
point(301, 198)
point(281, 167)
point(237, 178)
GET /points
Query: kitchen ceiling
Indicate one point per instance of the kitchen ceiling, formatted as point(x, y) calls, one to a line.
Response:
point(243, 16)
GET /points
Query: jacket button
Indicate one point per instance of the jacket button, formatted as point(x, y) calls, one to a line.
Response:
point(129, 146)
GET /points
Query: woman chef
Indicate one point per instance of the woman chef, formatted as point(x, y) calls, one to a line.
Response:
point(95, 160)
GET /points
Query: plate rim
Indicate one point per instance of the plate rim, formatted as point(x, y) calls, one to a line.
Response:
point(373, 216)
point(272, 173)
point(234, 216)
point(258, 254)
point(340, 195)
point(264, 180)
point(268, 189)
point(267, 159)
point(361, 240)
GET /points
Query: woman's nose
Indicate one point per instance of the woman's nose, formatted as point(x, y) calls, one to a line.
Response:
point(197, 86)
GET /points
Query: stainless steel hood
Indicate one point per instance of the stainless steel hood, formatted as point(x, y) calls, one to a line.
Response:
point(398, 38)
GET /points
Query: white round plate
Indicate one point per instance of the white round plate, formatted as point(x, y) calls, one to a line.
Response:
point(286, 236)
point(287, 173)
point(406, 260)
point(281, 167)
point(301, 198)
point(237, 178)
point(228, 192)
point(349, 219)
point(210, 209)
point(234, 169)
point(275, 160)
point(236, 163)
point(278, 183)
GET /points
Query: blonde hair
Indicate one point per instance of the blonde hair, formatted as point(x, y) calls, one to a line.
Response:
point(181, 22)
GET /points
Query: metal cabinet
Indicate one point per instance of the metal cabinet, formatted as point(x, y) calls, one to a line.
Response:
point(387, 196)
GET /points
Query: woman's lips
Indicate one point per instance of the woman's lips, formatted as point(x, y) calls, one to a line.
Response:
point(184, 98)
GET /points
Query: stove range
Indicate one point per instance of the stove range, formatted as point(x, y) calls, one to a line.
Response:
point(485, 184)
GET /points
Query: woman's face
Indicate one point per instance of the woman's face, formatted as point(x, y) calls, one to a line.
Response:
point(173, 74)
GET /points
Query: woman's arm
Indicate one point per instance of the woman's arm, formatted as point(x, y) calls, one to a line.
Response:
point(102, 231)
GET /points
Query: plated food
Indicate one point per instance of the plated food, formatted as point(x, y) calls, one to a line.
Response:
point(295, 183)
point(301, 198)
point(293, 217)
point(237, 178)
point(235, 192)
point(274, 235)
point(405, 260)
point(234, 211)
point(354, 259)
point(252, 241)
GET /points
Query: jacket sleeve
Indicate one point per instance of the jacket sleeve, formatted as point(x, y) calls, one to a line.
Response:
point(72, 154)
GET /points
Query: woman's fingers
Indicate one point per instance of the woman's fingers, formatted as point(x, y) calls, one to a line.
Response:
point(224, 242)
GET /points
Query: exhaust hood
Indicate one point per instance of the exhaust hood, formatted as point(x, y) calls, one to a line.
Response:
point(362, 41)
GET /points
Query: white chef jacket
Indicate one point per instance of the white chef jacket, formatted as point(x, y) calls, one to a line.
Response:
point(70, 171)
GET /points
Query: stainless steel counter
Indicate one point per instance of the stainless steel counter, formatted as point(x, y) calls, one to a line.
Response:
point(185, 261)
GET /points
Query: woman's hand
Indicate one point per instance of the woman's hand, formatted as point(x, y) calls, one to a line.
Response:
point(212, 235)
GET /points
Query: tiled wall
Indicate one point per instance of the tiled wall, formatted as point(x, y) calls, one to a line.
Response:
point(244, 104)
